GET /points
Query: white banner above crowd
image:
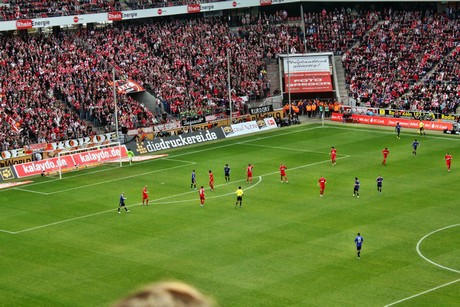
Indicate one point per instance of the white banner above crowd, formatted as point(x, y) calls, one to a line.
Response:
point(23, 23)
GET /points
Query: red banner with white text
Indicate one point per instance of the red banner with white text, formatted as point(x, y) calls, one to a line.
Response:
point(308, 82)
point(73, 161)
point(391, 121)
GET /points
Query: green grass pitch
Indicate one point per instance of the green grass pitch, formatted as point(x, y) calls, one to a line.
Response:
point(63, 244)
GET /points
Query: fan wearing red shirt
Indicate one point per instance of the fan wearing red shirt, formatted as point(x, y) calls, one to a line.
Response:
point(283, 173)
point(211, 180)
point(249, 173)
point(145, 196)
point(202, 196)
point(322, 186)
point(448, 159)
point(333, 154)
point(385, 153)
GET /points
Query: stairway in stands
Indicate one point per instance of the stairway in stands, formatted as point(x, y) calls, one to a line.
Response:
point(273, 75)
point(344, 98)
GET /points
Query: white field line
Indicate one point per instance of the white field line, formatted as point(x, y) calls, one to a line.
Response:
point(292, 149)
point(424, 292)
point(264, 175)
point(114, 210)
point(247, 141)
point(167, 197)
point(95, 172)
point(7, 231)
point(31, 191)
point(432, 262)
point(212, 197)
point(177, 160)
point(105, 181)
point(165, 158)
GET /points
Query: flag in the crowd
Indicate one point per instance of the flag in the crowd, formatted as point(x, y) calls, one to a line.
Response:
point(12, 123)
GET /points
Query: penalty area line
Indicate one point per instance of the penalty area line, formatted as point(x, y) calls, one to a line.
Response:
point(6, 231)
point(107, 211)
point(163, 198)
point(117, 179)
point(424, 292)
point(31, 191)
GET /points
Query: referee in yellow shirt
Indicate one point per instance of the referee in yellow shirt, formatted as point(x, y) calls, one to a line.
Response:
point(239, 197)
point(421, 126)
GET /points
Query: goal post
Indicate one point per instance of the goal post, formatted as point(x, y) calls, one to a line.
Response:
point(74, 159)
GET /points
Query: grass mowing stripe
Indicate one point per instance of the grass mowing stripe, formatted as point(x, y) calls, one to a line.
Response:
point(286, 248)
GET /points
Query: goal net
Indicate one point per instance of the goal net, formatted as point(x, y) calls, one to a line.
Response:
point(76, 159)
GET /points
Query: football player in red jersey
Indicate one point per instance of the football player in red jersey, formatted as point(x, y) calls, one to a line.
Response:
point(333, 154)
point(322, 186)
point(145, 196)
point(249, 173)
point(385, 153)
point(202, 196)
point(211, 180)
point(283, 172)
point(448, 159)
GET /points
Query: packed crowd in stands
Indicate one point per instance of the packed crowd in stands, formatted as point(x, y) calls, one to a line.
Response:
point(52, 90)
point(396, 54)
point(439, 91)
point(184, 62)
point(53, 86)
point(337, 30)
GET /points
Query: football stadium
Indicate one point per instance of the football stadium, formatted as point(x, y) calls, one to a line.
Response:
point(229, 153)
